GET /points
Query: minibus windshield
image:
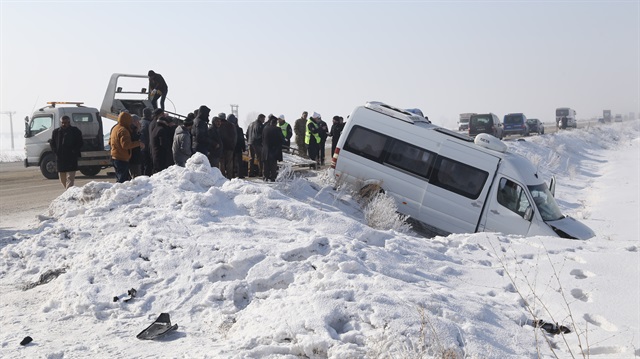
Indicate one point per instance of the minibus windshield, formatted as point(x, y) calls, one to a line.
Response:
point(545, 202)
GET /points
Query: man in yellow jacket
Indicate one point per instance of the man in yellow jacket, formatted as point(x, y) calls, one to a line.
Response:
point(121, 145)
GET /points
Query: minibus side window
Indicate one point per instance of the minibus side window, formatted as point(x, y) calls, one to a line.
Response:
point(458, 177)
point(512, 196)
point(410, 158)
point(366, 143)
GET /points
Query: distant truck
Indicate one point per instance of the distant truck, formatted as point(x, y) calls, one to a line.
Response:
point(39, 128)
point(463, 123)
point(566, 117)
point(606, 115)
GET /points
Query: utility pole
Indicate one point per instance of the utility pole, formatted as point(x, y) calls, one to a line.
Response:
point(10, 113)
point(234, 110)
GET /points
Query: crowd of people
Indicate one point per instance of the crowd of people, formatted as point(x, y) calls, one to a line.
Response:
point(147, 145)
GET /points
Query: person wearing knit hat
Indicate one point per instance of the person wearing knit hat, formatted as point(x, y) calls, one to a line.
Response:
point(121, 145)
point(287, 132)
point(181, 145)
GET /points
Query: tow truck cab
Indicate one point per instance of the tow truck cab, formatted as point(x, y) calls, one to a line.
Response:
point(39, 128)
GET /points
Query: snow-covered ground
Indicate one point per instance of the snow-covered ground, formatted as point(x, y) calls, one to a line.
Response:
point(291, 269)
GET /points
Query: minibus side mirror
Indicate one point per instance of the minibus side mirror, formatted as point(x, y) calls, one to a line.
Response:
point(528, 213)
point(552, 186)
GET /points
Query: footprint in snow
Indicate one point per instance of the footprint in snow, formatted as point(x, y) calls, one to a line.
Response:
point(579, 294)
point(601, 322)
point(580, 274)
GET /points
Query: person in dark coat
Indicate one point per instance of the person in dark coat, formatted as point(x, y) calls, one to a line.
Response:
point(66, 142)
point(147, 162)
point(228, 135)
point(135, 162)
point(335, 132)
point(272, 140)
point(200, 131)
point(157, 89)
point(312, 137)
point(162, 142)
point(254, 137)
point(215, 146)
point(241, 146)
point(323, 131)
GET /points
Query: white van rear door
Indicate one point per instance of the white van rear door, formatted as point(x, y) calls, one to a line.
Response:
point(458, 187)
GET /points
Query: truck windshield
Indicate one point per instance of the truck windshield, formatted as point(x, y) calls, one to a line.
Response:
point(562, 112)
point(545, 202)
point(39, 124)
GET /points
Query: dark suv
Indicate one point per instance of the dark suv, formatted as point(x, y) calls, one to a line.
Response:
point(516, 124)
point(485, 123)
point(535, 125)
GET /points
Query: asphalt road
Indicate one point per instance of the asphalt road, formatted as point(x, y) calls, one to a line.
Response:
point(25, 190)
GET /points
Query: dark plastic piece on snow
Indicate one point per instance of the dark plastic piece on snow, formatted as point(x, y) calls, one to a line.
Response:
point(132, 293)
point(26, 340)
point(551, 328)
point(160, 327)
point(115, 299)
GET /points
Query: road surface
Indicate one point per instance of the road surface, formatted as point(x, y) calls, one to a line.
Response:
point(24, 192)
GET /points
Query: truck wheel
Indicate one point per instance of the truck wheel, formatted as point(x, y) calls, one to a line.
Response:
point(90, 171)
point(48, 166)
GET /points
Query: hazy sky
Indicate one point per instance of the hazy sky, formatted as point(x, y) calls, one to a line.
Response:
point(284, 57)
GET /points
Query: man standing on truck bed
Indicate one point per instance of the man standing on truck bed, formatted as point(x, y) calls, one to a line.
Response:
point(157, 89)
point(66, 142)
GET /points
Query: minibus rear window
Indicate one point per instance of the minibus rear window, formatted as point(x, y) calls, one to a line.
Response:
point(366, 143)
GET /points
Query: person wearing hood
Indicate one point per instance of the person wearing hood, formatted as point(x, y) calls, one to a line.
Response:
point(272, 140)
point(135, 162)
point(228, 135)
point(182, 142)
point(147, 162)
point(158, 89)
point(162, 142)
point(240, 147)
point(121, 146)
point(215, 146)
point(254, 137)
point(200, 131)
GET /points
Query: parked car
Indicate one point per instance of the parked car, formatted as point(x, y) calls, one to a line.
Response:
point(516, 124)
point(485, 123)
point(618, 118)
point(535, 125)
